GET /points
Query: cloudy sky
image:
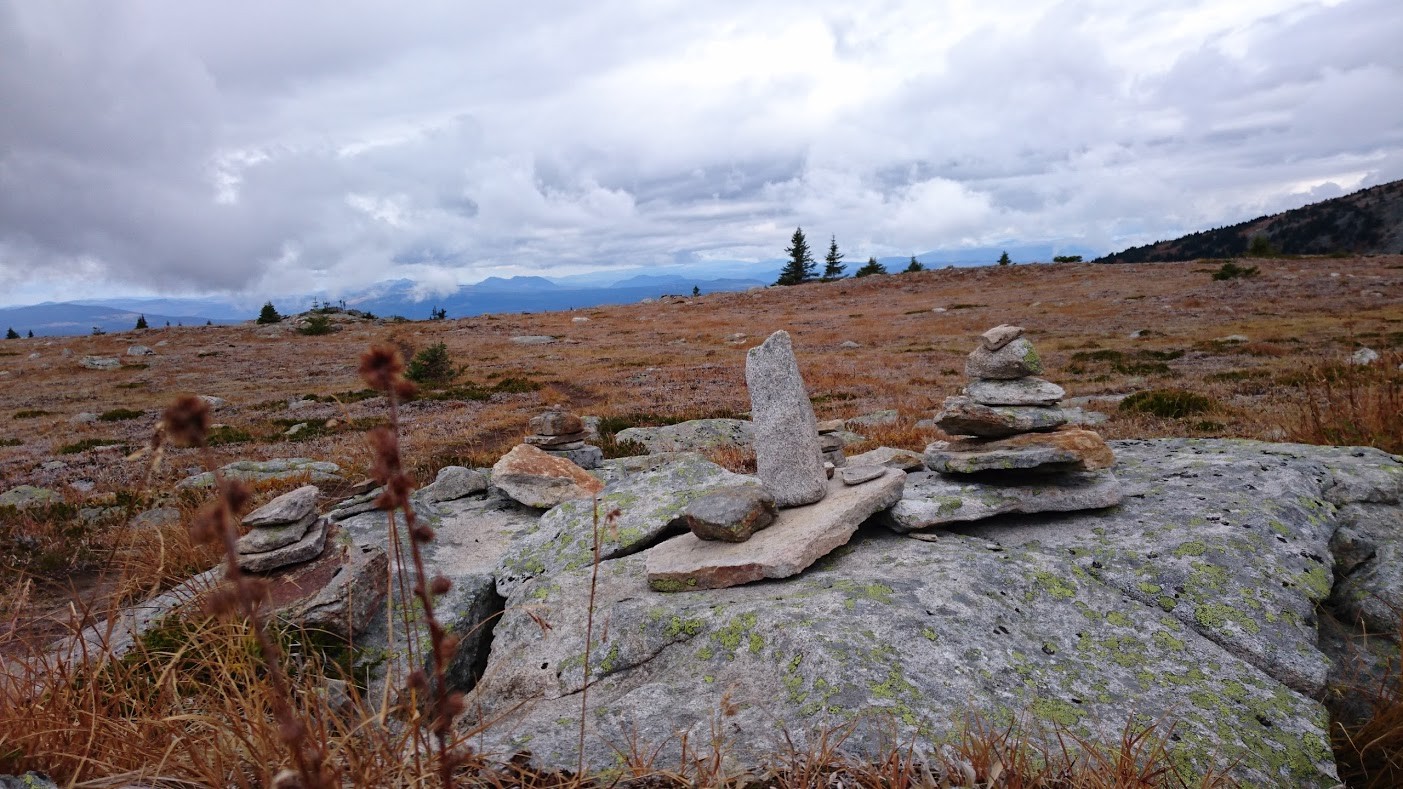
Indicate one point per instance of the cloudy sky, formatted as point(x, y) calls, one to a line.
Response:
point(266, 147)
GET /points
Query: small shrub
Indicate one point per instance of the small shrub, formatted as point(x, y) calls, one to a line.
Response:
point(516, 385)
point(119, 415)
point(10, 442)
point(1231, 270)
point(30, 413)
point(316, 325)
point(432, 365)
point(86, 444)
point(1167, 403)
point(224, 434)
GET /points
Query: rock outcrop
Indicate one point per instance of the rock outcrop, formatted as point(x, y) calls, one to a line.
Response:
point(1193, 600)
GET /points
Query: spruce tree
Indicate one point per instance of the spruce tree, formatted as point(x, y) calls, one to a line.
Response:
point(801, 266)
point(31, 334)
point(1004, 259)
point(833, 262)
point(871, 267)
point(12, 334)
point(269, 314)
point(914, 267)
point(141, 322)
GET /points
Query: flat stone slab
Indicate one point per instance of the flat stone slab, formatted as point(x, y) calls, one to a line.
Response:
point(904, 459)
point(691, 436)
point(799, 537)
point(556, 423)
point(269, 470)
point(937, 500)
point(454, 482)
point(268, 538)
point(961, 416)
point(1060, 450)
point(291, 507)
point(305, 549)
point(1018, 391)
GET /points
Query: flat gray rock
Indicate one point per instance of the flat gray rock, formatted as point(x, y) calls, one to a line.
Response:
point(1065, 449)
point(280, 469)
point(556, 423)
point(304, 550)
point(1193, 602)
point(267, 538)
point(290, 507)
point(352, 599)
point(856, 475)
point(1017, 359)
point(650, 505)
point(21, 496)
point(999, 336)
point(939, 500)
point(961, 416)
point(533, 339)
point(692, 436)
point(1017, 391)
point(585, 456)
point(548, 441)
point(904, 459)
point(101, 362)
point(454, 482)
point(799, 537)
point(787, 455)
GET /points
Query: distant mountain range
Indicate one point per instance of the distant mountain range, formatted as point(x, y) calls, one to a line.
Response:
point(495, 294)
point(1367, 222)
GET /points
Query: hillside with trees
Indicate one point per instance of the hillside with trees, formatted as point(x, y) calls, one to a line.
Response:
point(1367, 222)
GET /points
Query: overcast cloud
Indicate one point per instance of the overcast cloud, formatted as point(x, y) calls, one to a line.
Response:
point(265, 147)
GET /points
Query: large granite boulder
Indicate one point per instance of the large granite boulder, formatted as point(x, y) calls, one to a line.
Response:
point(1194, 600)
point(538, 479)
point(787, 454)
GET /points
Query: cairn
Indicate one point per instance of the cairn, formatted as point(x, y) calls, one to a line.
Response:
point(285, 531)
point(563, 434)
point(1014, 433)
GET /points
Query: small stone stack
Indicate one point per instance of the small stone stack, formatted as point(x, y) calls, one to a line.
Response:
point(285, 531)
point(563, 434)
point(1015, 424)
point(831, 443)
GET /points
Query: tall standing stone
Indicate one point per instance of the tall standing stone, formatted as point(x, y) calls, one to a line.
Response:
point(788, 458)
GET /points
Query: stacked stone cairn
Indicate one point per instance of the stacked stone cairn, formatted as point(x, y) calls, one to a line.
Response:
point(1015, 429)
point(283, 532)
point(831, 443)
point(563, 434)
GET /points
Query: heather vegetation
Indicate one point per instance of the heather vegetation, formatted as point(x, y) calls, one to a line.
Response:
point(234, 699)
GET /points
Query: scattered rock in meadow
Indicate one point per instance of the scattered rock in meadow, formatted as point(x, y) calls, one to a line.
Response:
point(101, 362)
point(1364, 357)
point(22, 496)
point(140, 350)
point(277, 470)
point(692, 436)
point(533, 339)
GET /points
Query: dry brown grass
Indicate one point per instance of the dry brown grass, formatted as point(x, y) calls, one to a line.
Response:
point(142, 716)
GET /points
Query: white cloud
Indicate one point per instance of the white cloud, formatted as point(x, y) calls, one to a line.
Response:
point(266, 146)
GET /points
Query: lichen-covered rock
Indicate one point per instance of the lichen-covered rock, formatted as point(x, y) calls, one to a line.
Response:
point(21, 496)
point(1193, 602)
point(267, 538)
point(351, 599)
point(1017, 359)
point(277, 470)
point(649, 504)
point(933, 499)
point(787, 455)
point(730, 514)
point(583, 455)
point(999, 336)
point(305, 549)
point(961, 416)
point(692, 436)
point(1061, 450)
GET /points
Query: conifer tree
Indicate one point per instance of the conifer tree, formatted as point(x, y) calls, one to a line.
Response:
point(915, 266)
point(833, 263)
point(870, 267)
point(1004, 259)
point(269, 314)
point(801, 266)
point(141, 322)
point(12, 334)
